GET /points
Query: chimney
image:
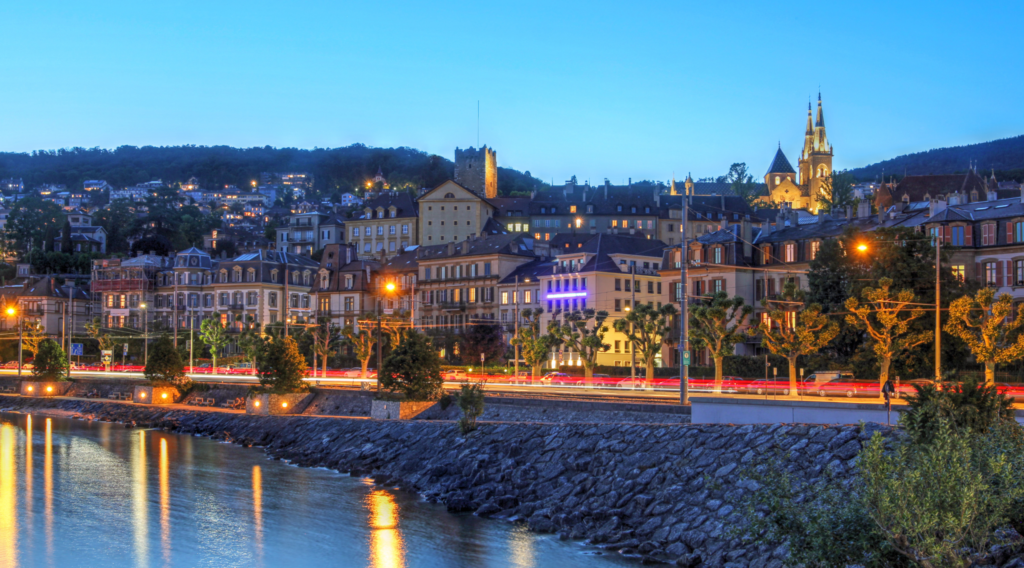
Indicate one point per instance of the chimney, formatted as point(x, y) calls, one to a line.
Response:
point(1022, 193)
point(992, 195)
point(606, 184)
point(863, 209)
point(152, 253)
point(451, 249)
point(721, 200)
point(465, 247)
point(821, 216)
point(348, 254)
point(849, 213)
point(746, 233)
point(935, 207)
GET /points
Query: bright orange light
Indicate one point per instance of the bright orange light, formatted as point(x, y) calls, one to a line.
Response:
point(142, 395)
point(284, 405)
point(862, 247)
point(10, 311)
point(163, 395)
point(256, 403)
point(49, 389)
point(29, 389)
point(390, 287)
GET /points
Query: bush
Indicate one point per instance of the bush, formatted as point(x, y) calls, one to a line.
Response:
point(934, 504)
point(971, 405)
point(471, 402)
point(413, 368)
point(164, 366)
point(50, 363)
point(281, 367)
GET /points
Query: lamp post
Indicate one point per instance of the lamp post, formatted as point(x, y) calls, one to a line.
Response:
point(145, 335)
point(13, 312)
point(515, 373)
point(632, 304)
point(389, 287)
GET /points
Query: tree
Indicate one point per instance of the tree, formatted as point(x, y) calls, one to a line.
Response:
point(578, 335)
point(251, 342)
point(646, 328)
point(164, 365)
point(32, 333)
point(118, 220)
point(533, 346)
point(95, 330)
point(325, 338)
point(837, 192)
point(281, 367)
point(66, 245)
point(362, 342)
point(983, 322)
point(35, 224)
point(741, 183)
point(970, 406)
point(794, 328)
point(214, 335)
point(482, 338)
point(830, 277)
point(471, 403)
point(887, 316)
point(50, 363)
point(718, 326)
point(413, 368)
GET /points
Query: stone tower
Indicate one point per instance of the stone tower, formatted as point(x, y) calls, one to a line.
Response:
point(816, 158)
point(780, 171)
point(477, 170)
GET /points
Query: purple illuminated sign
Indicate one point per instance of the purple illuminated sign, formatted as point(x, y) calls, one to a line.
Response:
point(566, 295)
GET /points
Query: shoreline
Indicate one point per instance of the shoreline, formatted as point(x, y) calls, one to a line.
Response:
point(655, 492)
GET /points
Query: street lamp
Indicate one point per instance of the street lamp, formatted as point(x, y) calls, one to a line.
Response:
point(10, 313)
point(145, 335)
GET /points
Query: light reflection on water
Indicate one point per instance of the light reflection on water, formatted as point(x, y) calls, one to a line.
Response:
point(112, 496)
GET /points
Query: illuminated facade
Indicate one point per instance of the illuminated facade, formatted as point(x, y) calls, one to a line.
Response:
point(802, 190)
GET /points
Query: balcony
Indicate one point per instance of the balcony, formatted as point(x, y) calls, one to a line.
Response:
point(452, 306)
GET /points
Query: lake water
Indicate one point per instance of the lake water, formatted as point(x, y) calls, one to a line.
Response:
point(75, 493)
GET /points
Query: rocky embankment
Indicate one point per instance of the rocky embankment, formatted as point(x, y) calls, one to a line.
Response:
point(660, 492)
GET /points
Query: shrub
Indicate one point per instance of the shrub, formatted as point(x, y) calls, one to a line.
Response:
point(471, 402)
point(50, 364)
point(281, 367)
point(970, 405)
point(413, 368)
point(164, 365)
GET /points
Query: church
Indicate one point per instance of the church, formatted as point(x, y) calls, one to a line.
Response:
point(801, 190)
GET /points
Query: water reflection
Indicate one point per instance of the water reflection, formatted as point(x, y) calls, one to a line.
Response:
point(8, 497)
point(165, 503)
point(257, 510)
point(386, 549)
point(140, 501)
point(119, 497)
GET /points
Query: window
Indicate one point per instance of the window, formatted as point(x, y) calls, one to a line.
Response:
point(650, 286)
point(718, 255)
point(659, 288)
point(272, 302)
point(957, 239)
point(504, 298)
point(527, 297)
point(487, 269)
point(392, 229)
point(815, 246)
point(618, 305)
point(990, 272)
point(790, 252)
point(251, 298)
point(349, 281)
point(628, 284)
point(766, 254)
point(426, 273)
point(1018, 232)
point(1018, 273)
point(405, 229)
point(349, 304)
point(223, 298)
point(988, 234)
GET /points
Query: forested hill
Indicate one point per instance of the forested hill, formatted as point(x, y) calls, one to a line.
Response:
point(335, 170)
point(1005, 156)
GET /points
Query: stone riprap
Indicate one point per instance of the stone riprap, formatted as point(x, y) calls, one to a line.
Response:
point(660, 492)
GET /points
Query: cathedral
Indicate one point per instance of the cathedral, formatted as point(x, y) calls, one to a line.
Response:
point(801, 190)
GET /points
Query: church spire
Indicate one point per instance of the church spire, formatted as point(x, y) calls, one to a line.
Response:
point(821, 115)
point(810, 125)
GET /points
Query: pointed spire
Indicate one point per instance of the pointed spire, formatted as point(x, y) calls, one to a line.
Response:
point(820, 122)
point(810, 126)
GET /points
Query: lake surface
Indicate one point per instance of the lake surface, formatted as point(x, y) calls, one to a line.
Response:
point(75, 493)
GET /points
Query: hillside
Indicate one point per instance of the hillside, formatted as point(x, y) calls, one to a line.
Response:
point(335, 170)
point(1005, 156)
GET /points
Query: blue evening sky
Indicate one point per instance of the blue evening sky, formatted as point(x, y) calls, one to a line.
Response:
point(595, 89)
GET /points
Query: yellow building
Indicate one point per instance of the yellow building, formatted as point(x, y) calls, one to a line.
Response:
point(452, 213)
point(815, 166)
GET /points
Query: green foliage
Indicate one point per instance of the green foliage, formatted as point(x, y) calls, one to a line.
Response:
point(647, 328)
point(1003, 154)
point(251, 342)
point(983, 323)
point(886, 316)
point(471, 402)
point(412, 368)
point(55, 262)
point(829, 279)
point(361, 342)
point(741, 183)
point(34, 224)
point(580, 336)
point(281, 367)
point(164, 366)
point(214, 335)
point(809, 331)
point(482, 338)
point(971, 406)
point(50, 363)
point(837, 192)
point(717, 326)
point(534, 346)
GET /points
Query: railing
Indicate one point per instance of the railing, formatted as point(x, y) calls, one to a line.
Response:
point(453, 305)
point(121, 285)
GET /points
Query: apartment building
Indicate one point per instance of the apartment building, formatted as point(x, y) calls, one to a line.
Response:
point(121, 287)
point(58, 308)
point(388, 224)
point(607, 272)
point(310, 231)
point(452, 213)
point(341, 290)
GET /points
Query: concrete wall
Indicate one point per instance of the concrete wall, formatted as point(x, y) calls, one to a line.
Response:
point(713, 410)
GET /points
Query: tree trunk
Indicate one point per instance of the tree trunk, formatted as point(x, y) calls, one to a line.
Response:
point(366, 363)
point(314, 363)
point(884, 375)
point(588, 370)
point(718, 375)
point(323, 372)
point(990, 373)
point(793, 387)
point(650, 369)
point(213, 355)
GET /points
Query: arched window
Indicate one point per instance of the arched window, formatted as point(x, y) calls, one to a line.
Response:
point(236, 274)
point(305, 278)
point(223, 275)
point(449, 195)
point(273, 275)
point(250, 275)
point(777, 180)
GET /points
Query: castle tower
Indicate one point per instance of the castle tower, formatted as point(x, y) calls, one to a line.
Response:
point(816, 158)
point(477, 170)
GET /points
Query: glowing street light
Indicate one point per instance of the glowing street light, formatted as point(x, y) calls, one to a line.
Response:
point(862, 247)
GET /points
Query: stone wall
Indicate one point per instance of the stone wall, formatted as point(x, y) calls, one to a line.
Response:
point(664, 492)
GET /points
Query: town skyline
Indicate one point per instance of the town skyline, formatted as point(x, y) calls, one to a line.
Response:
point(593, 99)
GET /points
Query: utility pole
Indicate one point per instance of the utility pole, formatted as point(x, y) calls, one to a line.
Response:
point(516, 372)
point(938, 311)
point(287, 299)
point(632, 306)
point(684, 310)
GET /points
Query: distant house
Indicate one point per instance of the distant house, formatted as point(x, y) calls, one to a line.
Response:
point(84, 236)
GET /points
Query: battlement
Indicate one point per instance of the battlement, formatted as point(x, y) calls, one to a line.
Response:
point(477, 170)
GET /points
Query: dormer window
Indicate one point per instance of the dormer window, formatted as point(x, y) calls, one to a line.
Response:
point(449, 195)
point(618, 208)
point(632, 209)
point(552, 210)
point(590, 208)
point(543, 210)
point(393, 213)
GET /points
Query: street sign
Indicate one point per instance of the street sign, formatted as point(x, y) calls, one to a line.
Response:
point(389, 311)
point(481, 359)
point(76, 349)
point(125, 348)
point(107, 356)
point(686, 358)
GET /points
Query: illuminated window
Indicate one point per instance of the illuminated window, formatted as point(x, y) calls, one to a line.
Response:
point(815, 246)
point(990, 274)
point(572, 209)
point(790, 252)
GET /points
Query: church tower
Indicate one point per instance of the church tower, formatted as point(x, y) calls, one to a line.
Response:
point(780, 171)
point(816, 158)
